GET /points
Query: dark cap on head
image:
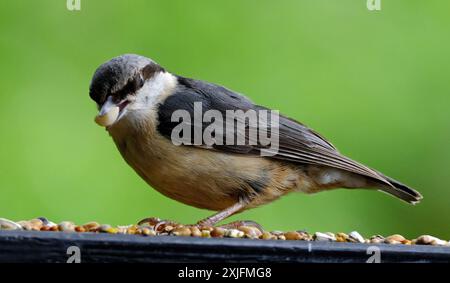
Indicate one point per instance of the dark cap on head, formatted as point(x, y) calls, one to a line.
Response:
point(120, 76)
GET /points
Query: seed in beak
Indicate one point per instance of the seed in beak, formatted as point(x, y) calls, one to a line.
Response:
point(108, 118)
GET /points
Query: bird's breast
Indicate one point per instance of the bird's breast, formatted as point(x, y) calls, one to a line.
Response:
point(203, 178)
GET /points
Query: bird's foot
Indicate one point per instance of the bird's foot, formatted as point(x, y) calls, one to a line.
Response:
point(152, 221)
point(159, 225)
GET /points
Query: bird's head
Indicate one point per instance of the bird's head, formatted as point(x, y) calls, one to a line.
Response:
point(117, 86)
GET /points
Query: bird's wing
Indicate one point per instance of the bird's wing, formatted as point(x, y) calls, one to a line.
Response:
point(297, 143)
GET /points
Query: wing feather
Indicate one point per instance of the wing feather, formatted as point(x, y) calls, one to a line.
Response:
point(297, 142)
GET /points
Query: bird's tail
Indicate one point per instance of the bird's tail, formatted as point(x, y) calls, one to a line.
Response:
point(401, 191)
point(370, 180)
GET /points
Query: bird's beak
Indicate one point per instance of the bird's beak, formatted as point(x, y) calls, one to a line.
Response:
point(108, 114)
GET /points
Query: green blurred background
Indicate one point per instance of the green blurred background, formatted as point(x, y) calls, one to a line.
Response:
point(373, 82)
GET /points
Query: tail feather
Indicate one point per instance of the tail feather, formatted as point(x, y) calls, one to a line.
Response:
point(401, 191)
point(327, 177)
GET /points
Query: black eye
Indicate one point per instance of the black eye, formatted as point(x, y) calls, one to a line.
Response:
point(138, 82)
point(131, 87)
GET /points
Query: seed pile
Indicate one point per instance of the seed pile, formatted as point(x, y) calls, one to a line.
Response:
point(156, 226)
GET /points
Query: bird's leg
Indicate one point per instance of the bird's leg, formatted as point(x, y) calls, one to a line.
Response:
point(209, 221)
point(221, 215)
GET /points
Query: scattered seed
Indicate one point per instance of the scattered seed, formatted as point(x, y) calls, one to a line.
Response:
point(181, 231)
point(112, 230)
point(154, 226)
point(277, 232)
point(268, 236)
point(6, 224)
point(341, 237)
point(406, 242)
point(132, 229)
point(80, 229)
point(377, 239)
point(329, 237)
point(91, 226)
point(108, 118)
point(209, 228)
point(206, 234)
point(356, 237)
point(234, 233)
point(397, 238)
point(148, 232)
point(217, 232)
point(53, 228)
point(292, 236)
point(36, 224)
point(26, 225)
point(250, 231)
point(123, 229)
point(306, 236)
point(195, 231)
point(430, 240)
point(44, 228)
point(391, 242)
point(45, 221)
point(104, 228)
point(66, 226)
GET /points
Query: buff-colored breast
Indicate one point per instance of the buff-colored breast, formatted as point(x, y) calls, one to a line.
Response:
point(204, 178)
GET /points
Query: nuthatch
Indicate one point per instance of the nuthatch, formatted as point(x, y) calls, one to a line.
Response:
point(137, 100)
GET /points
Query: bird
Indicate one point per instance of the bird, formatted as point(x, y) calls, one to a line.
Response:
point(137, 99)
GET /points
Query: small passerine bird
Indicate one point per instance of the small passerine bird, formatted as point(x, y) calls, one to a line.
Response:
point(137, 100)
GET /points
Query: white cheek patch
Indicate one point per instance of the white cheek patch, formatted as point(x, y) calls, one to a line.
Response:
point(154, 91)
